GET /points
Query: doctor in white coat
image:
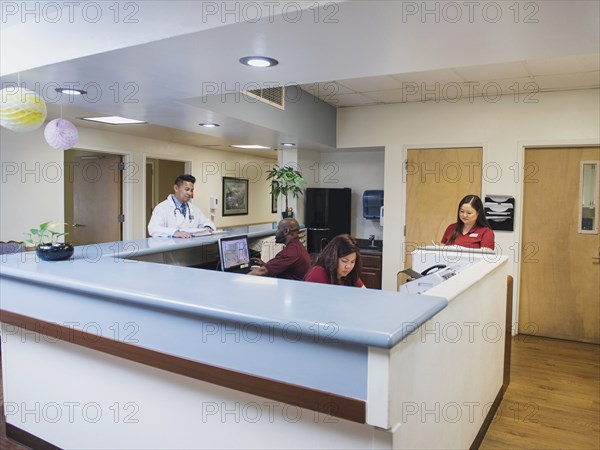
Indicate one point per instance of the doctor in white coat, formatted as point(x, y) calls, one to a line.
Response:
point(176, 216)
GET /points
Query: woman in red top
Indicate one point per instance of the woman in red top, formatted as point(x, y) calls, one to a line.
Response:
point(471, 229)
point(339, 263)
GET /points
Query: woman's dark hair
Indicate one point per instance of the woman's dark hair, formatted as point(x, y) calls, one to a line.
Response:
point(477, 205)
point(182, 178)
point(340, 246)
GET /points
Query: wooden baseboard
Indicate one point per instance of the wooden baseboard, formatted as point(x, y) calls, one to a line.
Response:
point(28, 439)
point(508, 333)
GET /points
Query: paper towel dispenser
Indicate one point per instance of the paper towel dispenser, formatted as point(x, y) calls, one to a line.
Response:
point(372, 203)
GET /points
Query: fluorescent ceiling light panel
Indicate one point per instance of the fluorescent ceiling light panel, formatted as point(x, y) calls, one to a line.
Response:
point(251, 146)
point(113, 120)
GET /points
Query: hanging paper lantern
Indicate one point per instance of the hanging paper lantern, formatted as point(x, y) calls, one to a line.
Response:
point(21, 109)
point(61, 134)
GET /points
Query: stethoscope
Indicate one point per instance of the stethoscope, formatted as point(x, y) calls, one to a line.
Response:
point(177, 210)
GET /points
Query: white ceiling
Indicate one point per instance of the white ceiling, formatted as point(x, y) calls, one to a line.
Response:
point(518, 79)
point(158, 56)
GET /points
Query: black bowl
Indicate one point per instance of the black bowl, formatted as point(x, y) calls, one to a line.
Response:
point(55, 251)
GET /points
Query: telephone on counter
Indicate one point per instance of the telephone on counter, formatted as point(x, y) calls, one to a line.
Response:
point(413, 275)
point(433, 269)
point(428, 278)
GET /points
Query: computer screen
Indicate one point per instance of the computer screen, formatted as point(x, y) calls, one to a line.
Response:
point(234, 253)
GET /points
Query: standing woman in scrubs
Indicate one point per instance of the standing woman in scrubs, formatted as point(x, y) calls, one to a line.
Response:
point(471, 229)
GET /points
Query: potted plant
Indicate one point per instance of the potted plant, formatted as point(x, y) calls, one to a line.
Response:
point(286, 180)
point(44, 239)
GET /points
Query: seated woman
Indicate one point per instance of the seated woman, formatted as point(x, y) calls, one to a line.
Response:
point(471, 229)
point(339, 263)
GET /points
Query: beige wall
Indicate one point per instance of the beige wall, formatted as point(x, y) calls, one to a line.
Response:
point(167, 172)
point(502, 128)
point(32, 188)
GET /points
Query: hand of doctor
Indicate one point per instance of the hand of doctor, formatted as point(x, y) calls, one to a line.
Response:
point(182, 234)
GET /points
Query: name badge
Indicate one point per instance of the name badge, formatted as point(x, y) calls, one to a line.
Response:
point(473, 235)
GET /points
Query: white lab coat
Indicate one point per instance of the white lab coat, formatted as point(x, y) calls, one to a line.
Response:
point(167, 219)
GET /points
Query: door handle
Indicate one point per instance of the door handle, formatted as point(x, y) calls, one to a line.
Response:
point(78, 225)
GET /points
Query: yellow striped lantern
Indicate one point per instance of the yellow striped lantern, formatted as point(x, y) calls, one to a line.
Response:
point(21, 109)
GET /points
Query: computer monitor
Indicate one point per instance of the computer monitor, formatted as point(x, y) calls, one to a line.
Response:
point(234, 253)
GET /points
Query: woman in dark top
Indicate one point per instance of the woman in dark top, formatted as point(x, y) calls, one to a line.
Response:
point(339, 263)
point(471, 229)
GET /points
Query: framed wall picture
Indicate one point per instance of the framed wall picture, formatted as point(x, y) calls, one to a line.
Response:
point(235, 196)
point(273, 203)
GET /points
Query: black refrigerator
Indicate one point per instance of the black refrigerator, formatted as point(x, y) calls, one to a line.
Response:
point(328, 212)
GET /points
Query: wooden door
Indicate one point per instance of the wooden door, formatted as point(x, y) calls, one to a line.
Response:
point(97, 189)
point(160, 177)
point(436, 180)
point(149, 191)
point(560, 280)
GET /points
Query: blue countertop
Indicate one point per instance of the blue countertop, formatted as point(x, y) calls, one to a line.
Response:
point(361, 316)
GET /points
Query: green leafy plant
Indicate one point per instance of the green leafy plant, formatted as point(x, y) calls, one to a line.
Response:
point(44, 234)
point(285, 181)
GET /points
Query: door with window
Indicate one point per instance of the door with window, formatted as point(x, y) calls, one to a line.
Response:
point(560, 269)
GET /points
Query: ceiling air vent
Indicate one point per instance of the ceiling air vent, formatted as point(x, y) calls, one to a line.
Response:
point(273, 96)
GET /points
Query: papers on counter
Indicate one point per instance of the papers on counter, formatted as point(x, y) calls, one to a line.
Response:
point(455, 248)
point(197, 232)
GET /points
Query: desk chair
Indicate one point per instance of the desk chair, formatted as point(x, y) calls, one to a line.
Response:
point(268, 248)
point(9, 247)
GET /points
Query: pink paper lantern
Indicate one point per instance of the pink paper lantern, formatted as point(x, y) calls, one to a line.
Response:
point(61, 134)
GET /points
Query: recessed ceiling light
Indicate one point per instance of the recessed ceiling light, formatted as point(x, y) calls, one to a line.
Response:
point(113, 120)
point(251, 146)
point(258, 61)
point(209, 125)
point(70, 91)
point(288, 144)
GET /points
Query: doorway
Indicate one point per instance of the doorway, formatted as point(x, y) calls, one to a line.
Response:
point(436, 180)
point(93, 189)
point(160, 175)
point(560, 272)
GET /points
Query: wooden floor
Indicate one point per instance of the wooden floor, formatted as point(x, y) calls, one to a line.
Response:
point(553, 401)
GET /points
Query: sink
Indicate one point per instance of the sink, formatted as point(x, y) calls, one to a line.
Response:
point(365, 244)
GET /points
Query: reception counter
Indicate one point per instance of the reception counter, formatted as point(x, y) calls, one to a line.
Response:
point(118, 348)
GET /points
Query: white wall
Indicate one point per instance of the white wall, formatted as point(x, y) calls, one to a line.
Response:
point(32, 179)
point(308, 161)
point(358, 170)
point(502, 128)
point(31, 191)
